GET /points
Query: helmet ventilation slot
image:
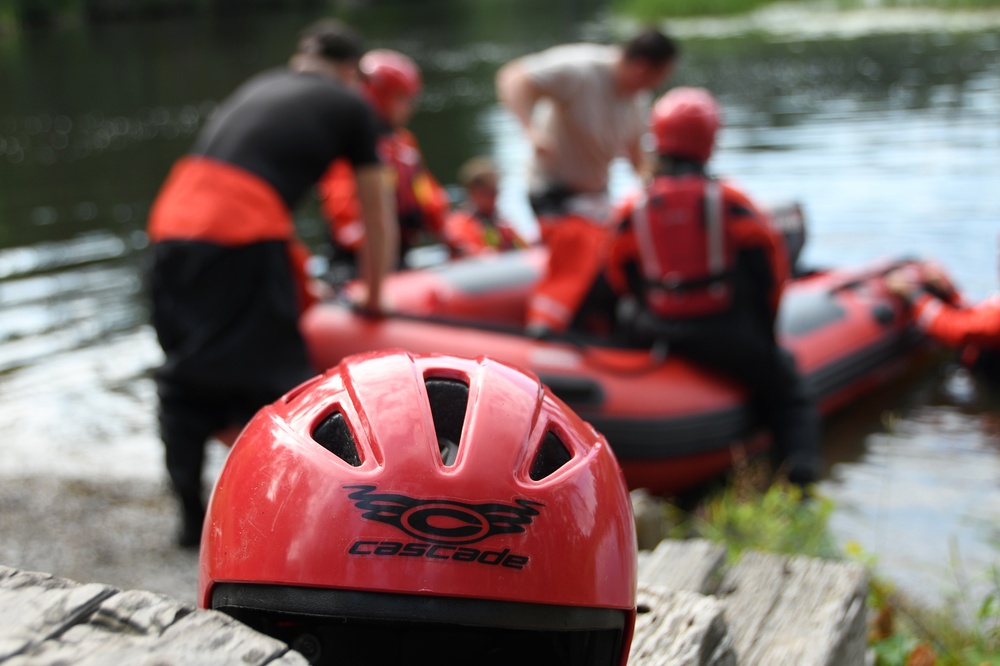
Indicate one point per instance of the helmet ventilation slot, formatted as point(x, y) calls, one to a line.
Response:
point(333, 435)
point(448, 401)
point(552, 455)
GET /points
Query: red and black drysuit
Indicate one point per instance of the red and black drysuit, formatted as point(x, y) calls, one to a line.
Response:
point(227, 276)
point(722, 319)
point(421, 202)
point(468, 232)
point(972, 330)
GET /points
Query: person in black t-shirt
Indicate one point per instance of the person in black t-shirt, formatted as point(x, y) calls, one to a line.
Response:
point(227, 278)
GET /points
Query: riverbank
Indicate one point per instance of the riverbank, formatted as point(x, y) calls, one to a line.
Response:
point(117, 532)
point(120, 533)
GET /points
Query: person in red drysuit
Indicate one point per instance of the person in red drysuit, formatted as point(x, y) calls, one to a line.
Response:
point(477, 226)
point(392, 83)
point(227, 279)
point(705, 269)
point(972, 329)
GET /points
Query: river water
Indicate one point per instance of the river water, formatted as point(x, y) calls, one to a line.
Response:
point(886, 126)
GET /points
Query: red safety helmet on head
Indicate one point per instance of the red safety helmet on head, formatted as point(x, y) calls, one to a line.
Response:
point(389, 74)
point(424, 509)
point(685, 121)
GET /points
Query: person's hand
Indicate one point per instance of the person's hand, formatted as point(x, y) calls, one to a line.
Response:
point(363, 304)
point(934, 276)
point(320, 290)
point(903, 282)
point(544, 149)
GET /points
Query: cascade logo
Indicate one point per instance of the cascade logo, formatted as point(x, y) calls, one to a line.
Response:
point(445, 527)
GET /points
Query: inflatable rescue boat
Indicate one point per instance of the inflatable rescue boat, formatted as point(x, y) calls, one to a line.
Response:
point(672, 425)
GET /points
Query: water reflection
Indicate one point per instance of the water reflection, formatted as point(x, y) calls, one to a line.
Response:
point(891, 141)
point(45, 140)
point(923, 493)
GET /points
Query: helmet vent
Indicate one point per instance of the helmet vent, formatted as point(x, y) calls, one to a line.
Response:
point(552, 455)
point(334, 436)
point(448, 401)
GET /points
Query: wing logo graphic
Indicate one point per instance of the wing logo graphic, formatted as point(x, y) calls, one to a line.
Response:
point(443, 521)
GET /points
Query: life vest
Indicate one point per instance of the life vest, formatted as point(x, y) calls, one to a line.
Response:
point(685, 253)
point(421, 203)
point(467, 233)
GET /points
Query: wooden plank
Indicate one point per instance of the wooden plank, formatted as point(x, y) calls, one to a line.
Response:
point(693, 565)
point(680, 628)
point(796, 610)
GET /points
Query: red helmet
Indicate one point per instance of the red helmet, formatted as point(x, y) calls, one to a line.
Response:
point(684, 122)
point(389, 74)
point(424, 503)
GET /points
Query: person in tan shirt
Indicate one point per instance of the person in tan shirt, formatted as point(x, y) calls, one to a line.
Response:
point(581, 106)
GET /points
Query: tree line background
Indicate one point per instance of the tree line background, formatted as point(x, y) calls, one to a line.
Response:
point(16, 14)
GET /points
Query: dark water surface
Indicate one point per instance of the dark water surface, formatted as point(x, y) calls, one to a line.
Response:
point(890, 139)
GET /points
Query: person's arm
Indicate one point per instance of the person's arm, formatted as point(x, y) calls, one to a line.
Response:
point(754, 234)
point(937, 282)
point(381, 247)
point(940, 312)
point(519, 93)
point(637, 156)
point(913, 281)
point(956, 327)
point(623, 252)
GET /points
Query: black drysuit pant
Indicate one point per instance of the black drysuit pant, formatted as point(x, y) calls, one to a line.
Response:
point(227, 320)
point(740, 346)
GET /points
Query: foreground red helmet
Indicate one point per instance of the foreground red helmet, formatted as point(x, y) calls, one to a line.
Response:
point(685, 121)
point(388, 74)
point(405, 509)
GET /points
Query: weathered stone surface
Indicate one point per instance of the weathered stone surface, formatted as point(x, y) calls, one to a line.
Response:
point(680, 628)
point(693, 565)
point(36, 606)
point(46, 621)
point(771, 610)
point(796, 610)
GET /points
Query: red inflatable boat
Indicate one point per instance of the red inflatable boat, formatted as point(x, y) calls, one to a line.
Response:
point(672, 425)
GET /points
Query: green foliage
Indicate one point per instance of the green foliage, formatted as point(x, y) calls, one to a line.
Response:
point(776, 520)
point(46, 11)
point(894, 650)
point(8, 18)
point(905, 628)
point(668, 9)
point(35, 12)
point(920, 4)
point(756, 511)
